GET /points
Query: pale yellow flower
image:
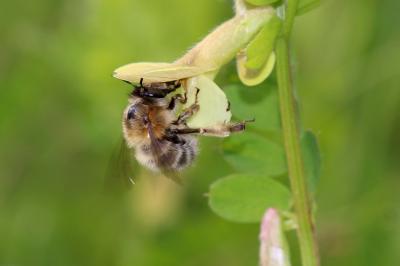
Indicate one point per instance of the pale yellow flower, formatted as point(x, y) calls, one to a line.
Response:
point(198, 67)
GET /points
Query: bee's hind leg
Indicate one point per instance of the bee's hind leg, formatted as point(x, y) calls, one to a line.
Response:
point(218, 131)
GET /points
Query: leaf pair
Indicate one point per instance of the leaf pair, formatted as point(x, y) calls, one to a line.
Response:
point(244, 197)
point(258, 158)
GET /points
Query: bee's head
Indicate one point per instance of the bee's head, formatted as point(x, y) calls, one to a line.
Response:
point(155, 90)
point(134, 121)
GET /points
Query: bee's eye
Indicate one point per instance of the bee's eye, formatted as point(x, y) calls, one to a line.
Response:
point(131, 112)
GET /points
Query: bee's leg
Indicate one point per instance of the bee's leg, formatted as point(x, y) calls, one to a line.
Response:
point(180, 98)
point(218, 131)
point(228, 108)
point(174, 84)
point(190, 111)
point(187, 113)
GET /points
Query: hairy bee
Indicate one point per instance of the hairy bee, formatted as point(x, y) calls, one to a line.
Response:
point(160, 137)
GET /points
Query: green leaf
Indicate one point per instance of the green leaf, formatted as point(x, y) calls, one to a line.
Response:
point(261, 2)
point(312, 159)
point(305, 6)
point(259, 102)
point(244, 198)
point(260, 48)
point(249, 152)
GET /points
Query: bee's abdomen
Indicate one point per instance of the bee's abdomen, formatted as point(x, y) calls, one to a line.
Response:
point(175, 155)
point(184, 153)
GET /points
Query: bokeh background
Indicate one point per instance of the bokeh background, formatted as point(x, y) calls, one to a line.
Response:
point(60, 113)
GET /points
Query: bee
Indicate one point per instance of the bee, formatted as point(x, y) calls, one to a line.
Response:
point(159, 135)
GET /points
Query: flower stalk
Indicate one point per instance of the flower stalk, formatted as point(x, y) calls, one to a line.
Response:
point(291, 136)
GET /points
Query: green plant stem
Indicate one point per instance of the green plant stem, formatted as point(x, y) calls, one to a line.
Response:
point(291, 136)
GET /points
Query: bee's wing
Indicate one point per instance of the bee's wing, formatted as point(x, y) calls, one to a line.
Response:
point(162, 160)
point(122, 168)
point(157, 72)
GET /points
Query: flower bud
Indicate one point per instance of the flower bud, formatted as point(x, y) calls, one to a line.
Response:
point(222, 45)
point(273, 247)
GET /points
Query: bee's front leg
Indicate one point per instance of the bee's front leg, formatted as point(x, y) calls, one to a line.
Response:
point(178, 97)
point(190, 111)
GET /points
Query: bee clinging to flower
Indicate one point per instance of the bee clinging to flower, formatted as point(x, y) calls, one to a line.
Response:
point(158, 133)
point(173, 103)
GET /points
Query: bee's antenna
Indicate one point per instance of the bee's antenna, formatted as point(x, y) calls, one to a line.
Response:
point(137, 87)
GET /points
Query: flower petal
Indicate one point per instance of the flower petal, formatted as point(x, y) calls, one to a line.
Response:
point(253, 77)
point(221, 45)
point(157, 72)
point(260, 48)
point(212, 100)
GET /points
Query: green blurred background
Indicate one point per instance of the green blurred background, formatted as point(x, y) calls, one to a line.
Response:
point(60, 113)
